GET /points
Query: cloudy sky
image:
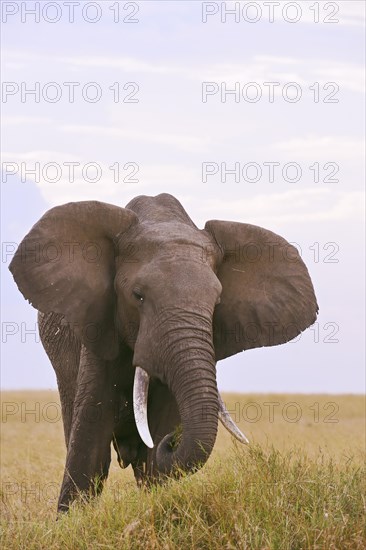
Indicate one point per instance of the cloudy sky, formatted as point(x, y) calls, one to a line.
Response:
point(254, 115)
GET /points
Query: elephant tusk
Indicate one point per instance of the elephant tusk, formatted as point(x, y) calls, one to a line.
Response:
point(229, 423)
point(140, 393)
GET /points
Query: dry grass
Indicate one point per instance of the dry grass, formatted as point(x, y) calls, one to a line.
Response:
point(299, 485)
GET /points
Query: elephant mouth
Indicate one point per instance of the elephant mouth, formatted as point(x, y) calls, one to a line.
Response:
point(140, 400)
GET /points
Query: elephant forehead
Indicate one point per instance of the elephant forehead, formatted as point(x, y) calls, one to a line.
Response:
point(184, 278)
point(166, 240)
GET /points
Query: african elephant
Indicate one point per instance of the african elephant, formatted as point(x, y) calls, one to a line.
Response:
point(136, 307)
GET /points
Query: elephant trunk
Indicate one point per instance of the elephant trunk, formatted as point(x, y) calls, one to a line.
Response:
point(197, 401)
point(186, 354)
point(191, 378)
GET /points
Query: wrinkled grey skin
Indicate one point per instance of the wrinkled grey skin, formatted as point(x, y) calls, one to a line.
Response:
point(118, 288)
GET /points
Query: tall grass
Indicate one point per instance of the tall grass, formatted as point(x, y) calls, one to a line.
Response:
point(256, 497)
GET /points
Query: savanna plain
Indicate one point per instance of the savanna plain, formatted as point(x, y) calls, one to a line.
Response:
point(300, 484)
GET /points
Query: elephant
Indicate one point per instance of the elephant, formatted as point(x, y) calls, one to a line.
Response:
point(135, 307)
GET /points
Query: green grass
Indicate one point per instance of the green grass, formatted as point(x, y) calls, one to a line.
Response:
point(299, 485)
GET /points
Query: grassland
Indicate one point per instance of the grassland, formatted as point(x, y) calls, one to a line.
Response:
point(299, 485)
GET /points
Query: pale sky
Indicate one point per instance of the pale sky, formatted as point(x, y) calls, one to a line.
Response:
point(299, 164)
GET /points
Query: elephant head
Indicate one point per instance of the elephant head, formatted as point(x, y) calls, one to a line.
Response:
point(146, 279)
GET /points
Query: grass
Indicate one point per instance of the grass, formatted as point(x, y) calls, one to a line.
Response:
point(299, 485)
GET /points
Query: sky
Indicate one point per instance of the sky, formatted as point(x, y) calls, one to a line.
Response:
point(245, 111)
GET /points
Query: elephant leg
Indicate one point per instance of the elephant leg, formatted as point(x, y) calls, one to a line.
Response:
point(63, 350)
point(128, 444)
point(88, 454)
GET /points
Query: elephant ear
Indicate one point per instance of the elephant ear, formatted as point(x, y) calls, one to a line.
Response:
point(66, 264)
point(267, 294)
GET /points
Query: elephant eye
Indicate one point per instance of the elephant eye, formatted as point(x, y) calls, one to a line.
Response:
point(138, 296)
